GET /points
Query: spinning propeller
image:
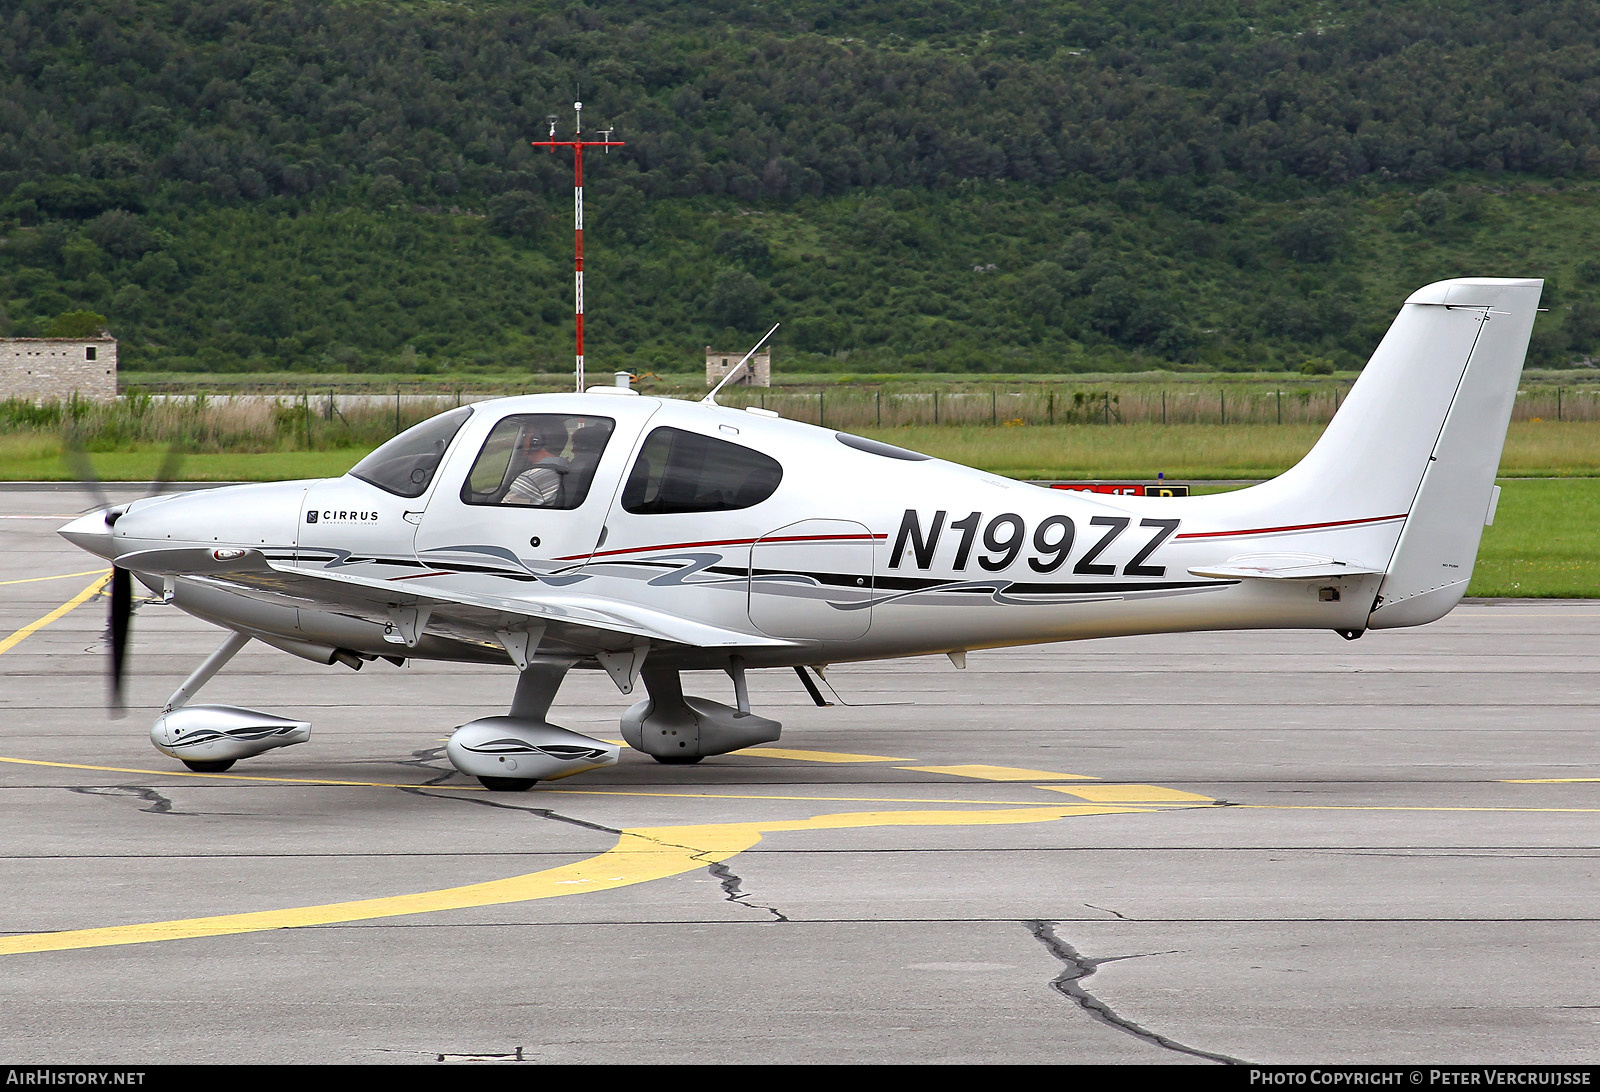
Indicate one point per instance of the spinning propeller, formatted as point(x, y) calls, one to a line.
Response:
point(119, 612)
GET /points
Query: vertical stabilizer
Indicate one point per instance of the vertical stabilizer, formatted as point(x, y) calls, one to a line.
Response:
point(1433, 560)
point(1401, 480)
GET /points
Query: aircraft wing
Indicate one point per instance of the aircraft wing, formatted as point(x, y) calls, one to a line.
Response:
point(583, 621)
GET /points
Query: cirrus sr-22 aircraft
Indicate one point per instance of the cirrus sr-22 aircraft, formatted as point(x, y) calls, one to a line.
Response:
point(647, 537)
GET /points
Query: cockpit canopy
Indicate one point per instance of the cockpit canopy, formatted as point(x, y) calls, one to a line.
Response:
point(549, 460)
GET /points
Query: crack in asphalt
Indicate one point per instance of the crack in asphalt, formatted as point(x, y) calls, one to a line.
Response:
point(732, 886)
point(542, 813)
point(159, 805)
point(1106, 910)
point(1069, 984)
point(731, 883)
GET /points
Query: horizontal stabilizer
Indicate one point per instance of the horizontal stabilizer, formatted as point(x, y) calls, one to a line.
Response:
point(1284, 567)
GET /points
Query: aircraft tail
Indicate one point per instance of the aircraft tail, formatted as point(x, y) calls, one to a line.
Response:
point(1419, 440)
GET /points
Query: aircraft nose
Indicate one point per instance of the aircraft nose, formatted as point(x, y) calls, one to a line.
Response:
point(93, 532)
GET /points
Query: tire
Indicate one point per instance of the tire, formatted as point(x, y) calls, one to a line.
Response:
point(508, 784)
point(677, 760)
point(209, 765)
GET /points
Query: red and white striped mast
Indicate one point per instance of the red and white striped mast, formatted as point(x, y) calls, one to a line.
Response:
point(578, 144)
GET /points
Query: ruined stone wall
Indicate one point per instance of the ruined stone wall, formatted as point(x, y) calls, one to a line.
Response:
point(719, 364)
point(44, 368)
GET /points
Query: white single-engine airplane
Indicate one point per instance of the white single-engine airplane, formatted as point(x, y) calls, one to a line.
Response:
point(648, 537)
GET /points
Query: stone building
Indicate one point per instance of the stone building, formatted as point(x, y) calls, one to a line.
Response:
point(45, 368)
point(757, 374)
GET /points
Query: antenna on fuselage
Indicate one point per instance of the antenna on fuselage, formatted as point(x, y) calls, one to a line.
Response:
point(711, 398)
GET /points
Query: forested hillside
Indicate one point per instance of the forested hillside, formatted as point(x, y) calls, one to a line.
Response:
point(931, 184)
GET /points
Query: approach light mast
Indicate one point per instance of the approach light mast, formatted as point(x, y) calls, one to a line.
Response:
point(578, 144)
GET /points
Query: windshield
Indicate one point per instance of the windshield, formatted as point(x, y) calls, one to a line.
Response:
point(406, 464)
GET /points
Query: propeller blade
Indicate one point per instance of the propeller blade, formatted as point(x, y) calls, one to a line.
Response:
point(77, 460)
point(171, 463)
point(121, 612)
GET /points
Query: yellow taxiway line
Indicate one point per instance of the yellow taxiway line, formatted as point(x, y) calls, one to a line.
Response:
point(639, 856)
point(58, 576)
point(76, 601)
point(1141, 799)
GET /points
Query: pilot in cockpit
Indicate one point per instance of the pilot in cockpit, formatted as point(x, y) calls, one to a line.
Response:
point(539, 453)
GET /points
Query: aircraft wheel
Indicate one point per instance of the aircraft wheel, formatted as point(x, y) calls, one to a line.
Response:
point(209, 765)
point(677, 760)
point(508, 784)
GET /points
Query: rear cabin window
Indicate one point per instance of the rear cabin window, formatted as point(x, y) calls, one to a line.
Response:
point(680, 471)
point(406, 464)
point(538, 460)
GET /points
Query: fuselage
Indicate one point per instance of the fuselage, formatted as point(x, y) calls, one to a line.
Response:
point(838, 548)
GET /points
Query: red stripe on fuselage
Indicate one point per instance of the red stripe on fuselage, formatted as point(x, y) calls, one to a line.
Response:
point(1291, 527)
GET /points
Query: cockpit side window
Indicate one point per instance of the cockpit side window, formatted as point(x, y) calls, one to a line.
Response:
point(680, 471)
point(406, 464)
point(539, 460)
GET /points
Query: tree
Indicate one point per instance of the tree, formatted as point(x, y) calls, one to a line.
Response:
point(735, 300)
point(121, 234)
point(77, 324)
point(1313, 236)
point(515, 214)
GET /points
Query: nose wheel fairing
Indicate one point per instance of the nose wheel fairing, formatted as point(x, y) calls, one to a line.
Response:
point(214, 734)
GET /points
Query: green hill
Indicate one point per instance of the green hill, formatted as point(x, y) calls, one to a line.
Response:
point(944, 185)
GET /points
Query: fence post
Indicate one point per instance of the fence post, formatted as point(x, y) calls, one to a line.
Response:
point(1163, 406)
point(1280, 407)
point(880, 407)
point(822, 411)
point(397, 411)
point(1052, 407)
point(1223, 394)
point(994, 406)
point(1108, 407)
point(936, 407)
point(1558, 403)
